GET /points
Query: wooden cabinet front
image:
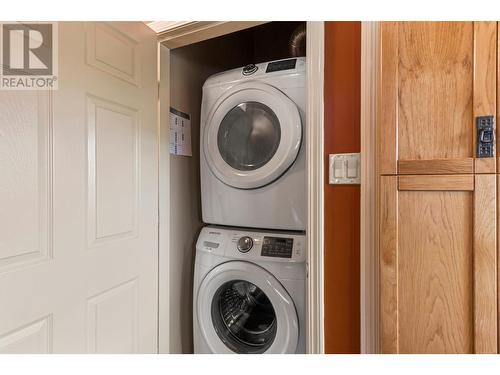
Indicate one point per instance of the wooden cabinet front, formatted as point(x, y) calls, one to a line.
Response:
point(438, 264)
point(437, 201)
point(436, 78)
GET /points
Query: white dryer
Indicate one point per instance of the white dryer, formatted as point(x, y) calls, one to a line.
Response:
point(249, 292)
point(252, 157)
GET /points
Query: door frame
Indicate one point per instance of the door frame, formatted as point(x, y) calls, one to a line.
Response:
point(369, 284)
point(315, 343)
point(181, 34)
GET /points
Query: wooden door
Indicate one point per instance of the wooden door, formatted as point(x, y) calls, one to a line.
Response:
point(79, 199)
point(436, 78)
point(437, 201)
point(438, 264)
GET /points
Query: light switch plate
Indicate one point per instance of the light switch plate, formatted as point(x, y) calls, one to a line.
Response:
point(344, 169)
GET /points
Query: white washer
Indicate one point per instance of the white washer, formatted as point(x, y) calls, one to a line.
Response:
point(252, 157)
point(249, 292)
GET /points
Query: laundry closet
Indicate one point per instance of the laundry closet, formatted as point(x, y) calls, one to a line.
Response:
point(189, 68)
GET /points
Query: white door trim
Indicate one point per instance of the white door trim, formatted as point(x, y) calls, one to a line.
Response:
point(315, 171)
point(178, 34)
point(314, 147)
point(368, 251)
point(163, 199)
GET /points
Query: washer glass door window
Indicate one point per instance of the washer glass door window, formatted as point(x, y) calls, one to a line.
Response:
point(243, 317)
point(242, 308)
point(252, 135)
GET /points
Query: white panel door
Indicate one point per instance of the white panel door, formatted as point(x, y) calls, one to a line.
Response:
point(79, 199)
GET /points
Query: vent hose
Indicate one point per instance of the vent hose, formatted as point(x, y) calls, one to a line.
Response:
point(298, 41)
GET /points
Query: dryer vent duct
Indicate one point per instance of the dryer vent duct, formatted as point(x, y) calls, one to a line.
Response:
point(298, 41)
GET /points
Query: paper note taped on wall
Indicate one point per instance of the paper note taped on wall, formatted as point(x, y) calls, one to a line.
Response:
point(180, 133)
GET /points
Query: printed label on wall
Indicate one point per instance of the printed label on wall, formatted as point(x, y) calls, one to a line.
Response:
point(180, 133)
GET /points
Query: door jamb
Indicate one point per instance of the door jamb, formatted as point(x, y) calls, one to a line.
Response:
point(163, 126)
point(315, 179)
point(370, 52)
point(314, 149)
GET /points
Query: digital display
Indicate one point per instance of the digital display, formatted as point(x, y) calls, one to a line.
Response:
point(281, 65)
point(278, 247)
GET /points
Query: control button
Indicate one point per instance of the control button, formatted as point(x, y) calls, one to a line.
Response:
point(352, 168)
point(338, 169)
point(249, 69)
point(245, 244)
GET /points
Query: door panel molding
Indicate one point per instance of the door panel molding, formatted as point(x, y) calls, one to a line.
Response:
point(107, 310)
point(39, 172)
point(101, 228)
point(460, 73)
point(438, 265)
point(436, 166)
point(436, 182)
point(125, 65)
point(32, 338)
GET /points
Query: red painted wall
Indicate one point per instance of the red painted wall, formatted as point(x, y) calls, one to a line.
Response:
point(342, 202)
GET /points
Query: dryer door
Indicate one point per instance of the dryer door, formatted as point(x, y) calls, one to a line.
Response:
point(252, 135)
point(242, 308)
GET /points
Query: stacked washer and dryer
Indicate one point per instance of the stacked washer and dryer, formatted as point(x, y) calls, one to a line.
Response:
point(249, 281)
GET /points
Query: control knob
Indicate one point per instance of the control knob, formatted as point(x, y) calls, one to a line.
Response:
point(245, 244)
point(249, 69)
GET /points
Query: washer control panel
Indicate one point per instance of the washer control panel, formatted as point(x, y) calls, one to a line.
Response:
point(275, 246)
point(278, 247)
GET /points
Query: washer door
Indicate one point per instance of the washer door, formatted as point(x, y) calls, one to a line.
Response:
point(252, 136)
point(243, 309)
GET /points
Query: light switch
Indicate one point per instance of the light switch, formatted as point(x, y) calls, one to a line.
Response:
point(352, 168)
point(344, 169)
point(338, 169)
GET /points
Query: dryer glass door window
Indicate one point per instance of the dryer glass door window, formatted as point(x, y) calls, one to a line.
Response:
point(252, 135)
point(249, 136)
point(243, 317)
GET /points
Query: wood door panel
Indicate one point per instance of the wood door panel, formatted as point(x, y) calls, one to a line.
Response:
point(485, 264)
point(438, 266)
point(388, 275)
point(437, 182)
point(437, 201)
point(435, 278)
point(436, 166)
point(436, 77)
point(388, 99)
point(435, 90)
